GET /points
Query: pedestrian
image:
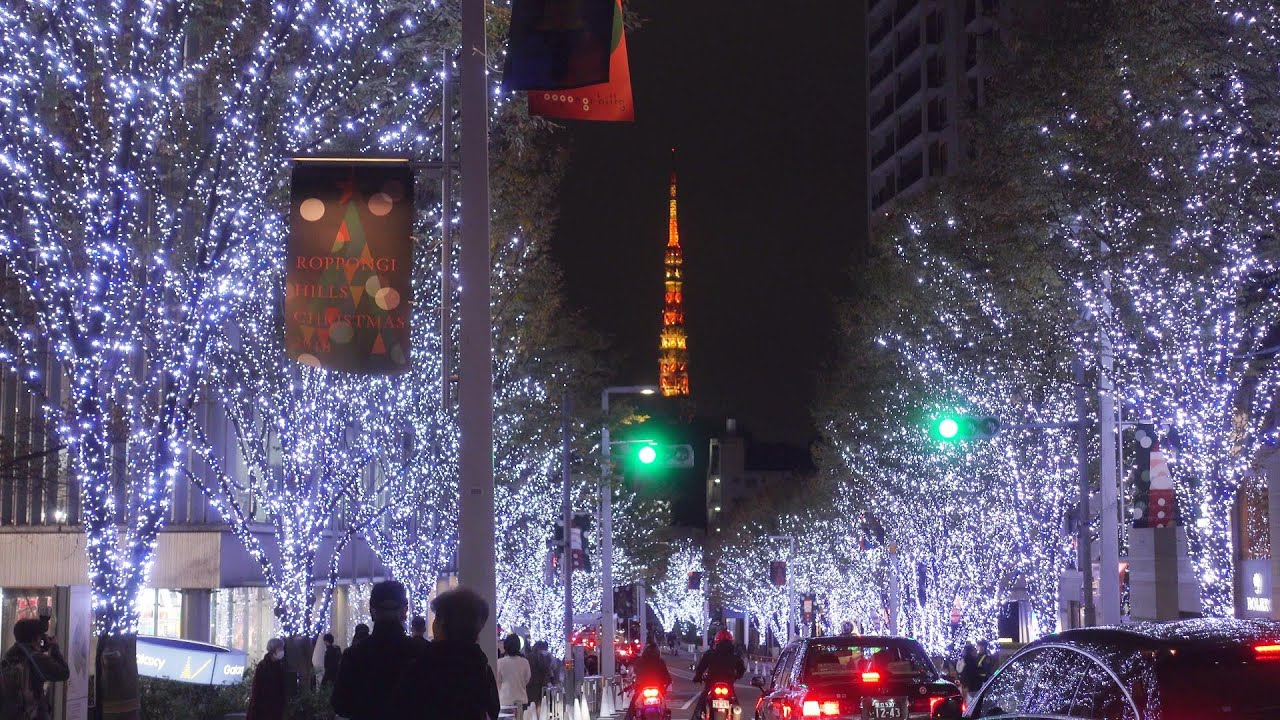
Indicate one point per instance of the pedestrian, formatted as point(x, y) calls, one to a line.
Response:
point(418, 632)
point(268, 695)
point(967, 669)
point(371, 668)
point(34, 659)
point(846, 628)
point(332, 660)
point(361, 634)
point(541, 673)
point(513, 676)
point(985, 664)
point(450, 678)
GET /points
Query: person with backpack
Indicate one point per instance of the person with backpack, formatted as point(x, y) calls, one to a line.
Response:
point(34, 659)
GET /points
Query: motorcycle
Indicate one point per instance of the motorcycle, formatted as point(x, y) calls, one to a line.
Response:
point(652, 704)
point(722, 703)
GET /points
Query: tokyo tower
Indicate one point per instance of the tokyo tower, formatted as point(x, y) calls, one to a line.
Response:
point(673, 362)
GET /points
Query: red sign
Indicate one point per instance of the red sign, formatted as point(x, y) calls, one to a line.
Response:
point(605, 102)
point(347, 291)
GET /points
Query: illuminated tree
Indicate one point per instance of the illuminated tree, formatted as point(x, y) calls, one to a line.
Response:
point(670, 597)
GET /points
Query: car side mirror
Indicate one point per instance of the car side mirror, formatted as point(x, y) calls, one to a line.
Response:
point(757, 682)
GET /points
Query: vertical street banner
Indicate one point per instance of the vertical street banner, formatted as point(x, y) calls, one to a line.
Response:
point(1154, 499)
point(606, 102)
point(558, 44)
point(347, 283)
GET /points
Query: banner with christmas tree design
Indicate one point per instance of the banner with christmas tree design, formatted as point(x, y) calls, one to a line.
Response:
point(347, 283)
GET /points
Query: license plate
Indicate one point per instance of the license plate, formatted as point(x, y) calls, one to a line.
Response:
point(719, 704)
point(882, 708)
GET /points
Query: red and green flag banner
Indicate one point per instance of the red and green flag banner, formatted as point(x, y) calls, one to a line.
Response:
point(606, 102)
point(558, 44)
point(347, 284)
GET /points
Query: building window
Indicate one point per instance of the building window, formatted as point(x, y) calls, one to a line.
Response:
point(21, 604)
point(160, 613)
point(243, 618)
point(937, 158)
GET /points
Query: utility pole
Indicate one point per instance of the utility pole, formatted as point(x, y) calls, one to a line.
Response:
point(446, 240)
point(566, 566)
point(1084, 545)
point(476, 561)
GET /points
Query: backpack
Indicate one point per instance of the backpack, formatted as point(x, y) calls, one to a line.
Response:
point(17, 701)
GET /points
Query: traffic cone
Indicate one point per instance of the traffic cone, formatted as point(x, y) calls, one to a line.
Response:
point(606, 702)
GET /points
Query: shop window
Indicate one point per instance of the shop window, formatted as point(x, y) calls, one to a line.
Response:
point(21, 604)
point(160, 613)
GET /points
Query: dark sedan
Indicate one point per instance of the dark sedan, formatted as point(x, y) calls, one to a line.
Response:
point(864, 677)
point(1186, 670)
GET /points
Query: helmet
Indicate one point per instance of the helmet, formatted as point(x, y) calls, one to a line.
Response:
point(724, 636)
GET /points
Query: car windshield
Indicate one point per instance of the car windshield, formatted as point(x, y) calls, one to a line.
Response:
point(1243, 690)
point(829, 660)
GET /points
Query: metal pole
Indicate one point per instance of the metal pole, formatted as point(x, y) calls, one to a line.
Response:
point(1085, 546)
point(791, 597)
point(606, 546)
point(1109, 580)
point(566, 564)
point(446, 240)
point(644, 614)
point(476, 559)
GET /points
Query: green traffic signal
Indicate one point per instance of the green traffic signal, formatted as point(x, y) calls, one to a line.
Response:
point(948, 428)
point(647, 455)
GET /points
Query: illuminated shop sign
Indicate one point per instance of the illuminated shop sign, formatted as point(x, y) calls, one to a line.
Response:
point(189, 661)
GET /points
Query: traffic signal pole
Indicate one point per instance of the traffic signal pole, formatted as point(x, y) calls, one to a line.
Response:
point(476, 560)
point(1084, 543)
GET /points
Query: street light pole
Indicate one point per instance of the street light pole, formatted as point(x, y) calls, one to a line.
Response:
point(476, 559)
point(607, 664)
point(791, 604)
point(572, 671)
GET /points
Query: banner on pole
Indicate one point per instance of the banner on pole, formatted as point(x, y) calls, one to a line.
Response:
point(558, 44)
point(606, 102)
point(350, 255)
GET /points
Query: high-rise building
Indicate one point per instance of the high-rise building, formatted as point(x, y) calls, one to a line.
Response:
point(673, 362)
point(927, 61)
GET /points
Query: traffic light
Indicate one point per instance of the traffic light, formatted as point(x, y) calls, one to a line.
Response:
point(695, 581)
point(954, 427)
point(652, 455)
point(778, 573)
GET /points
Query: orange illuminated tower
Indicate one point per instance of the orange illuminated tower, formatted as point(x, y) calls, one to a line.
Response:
point(673, 363)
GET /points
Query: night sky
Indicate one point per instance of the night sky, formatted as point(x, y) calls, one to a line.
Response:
point(763, 102)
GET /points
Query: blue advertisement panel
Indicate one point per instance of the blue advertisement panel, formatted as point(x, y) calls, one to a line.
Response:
point(189, 661)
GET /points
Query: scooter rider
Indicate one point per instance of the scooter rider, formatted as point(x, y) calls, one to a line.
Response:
point(650, 671)
point(721, 664)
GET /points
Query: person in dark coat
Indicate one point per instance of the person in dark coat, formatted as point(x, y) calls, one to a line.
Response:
point(721, 663)
point(450, 678)
point(650, 671)
point(418, 632)
point(542, 672)
point(371, 669)
point(44, 659)
point(268, 696)
point(361, 634)
point(332, 660)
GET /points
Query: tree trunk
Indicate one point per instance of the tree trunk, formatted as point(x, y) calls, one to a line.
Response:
point(117, 678)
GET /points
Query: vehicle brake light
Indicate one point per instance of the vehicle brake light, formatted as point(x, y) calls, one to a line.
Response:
point(1268, 652)
point(650, 692)
point(870, 677)
point(934, 702)
point(720, 691)
point(815, 708)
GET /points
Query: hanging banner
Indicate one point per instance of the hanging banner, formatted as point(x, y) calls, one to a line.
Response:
point(347, 290)
point(606, 102)
point(1154, 500)
point(558, 44)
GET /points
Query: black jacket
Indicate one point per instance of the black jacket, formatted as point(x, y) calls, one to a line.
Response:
point(721, 664)
point(447, 681)
point(652, 672)
point(370, 672)
point(43, 666)
point(332, 662)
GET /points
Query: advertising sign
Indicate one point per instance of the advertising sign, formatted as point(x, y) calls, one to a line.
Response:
point(1257, 588)
point(347, 284)
point(189, 661)
point(609, 101)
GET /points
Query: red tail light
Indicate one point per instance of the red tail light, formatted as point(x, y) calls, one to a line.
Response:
point(870, 677)
point(934, 702)
point(1270, 651)
point(816, 708)
point(650, 695)
point(720, 690)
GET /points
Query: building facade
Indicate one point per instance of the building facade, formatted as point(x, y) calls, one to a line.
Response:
point(203, 585)
point(928, 61)
point(738, 471)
